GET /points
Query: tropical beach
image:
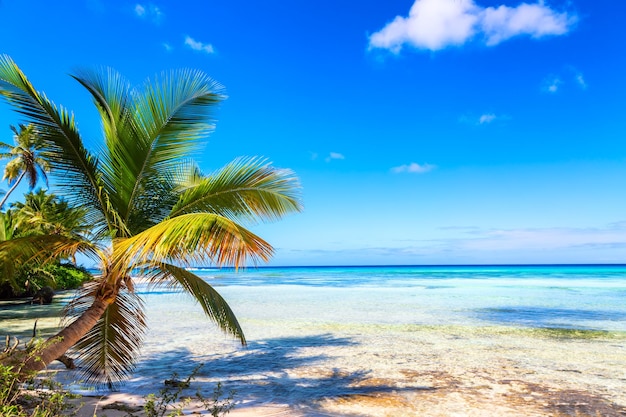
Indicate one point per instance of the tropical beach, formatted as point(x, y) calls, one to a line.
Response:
point(415, 341)
point(400, 208)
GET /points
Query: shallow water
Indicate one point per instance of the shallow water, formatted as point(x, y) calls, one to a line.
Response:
point(318, 334)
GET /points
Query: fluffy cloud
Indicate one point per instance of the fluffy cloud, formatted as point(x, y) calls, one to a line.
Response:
point(437, 24)
point(413, 168)
point(199, 46)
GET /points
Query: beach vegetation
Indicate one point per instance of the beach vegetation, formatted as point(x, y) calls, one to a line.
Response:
point(41, 214)
point(151, 210)
point(22, 394)
point(26, 158)
point(170, 401)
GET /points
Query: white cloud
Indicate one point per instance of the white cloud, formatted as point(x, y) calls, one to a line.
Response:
point(199, 46)
point(581, 81)
point(167, 47)
point(140, 10)
point(334, 155)
point(413, 168)
point(534, 20)
point(552, 85)
point(437, 24)
point(486, 118)
point(149, 11)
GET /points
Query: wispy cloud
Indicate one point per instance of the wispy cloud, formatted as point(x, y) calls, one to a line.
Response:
point(438, 24)
point(199, 46)
point(413, 168)
point(167, 47)
point(334, 155)
point(569, 76)
point(149, 11)
point(471, 244)
point(581, 80)
point(486, 118)
point(483, 119)
point(552, 84)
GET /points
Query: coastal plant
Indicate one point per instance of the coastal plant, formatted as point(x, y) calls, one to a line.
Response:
point(27, 158)
point(169, 402)
point(39, 397)
point(152, 211)
point(41, 214)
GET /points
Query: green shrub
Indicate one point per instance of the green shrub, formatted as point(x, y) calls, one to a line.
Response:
point(31, 278)
point(42, 398)
point(67, 276)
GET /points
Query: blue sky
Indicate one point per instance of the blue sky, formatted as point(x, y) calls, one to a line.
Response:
point(423, 132)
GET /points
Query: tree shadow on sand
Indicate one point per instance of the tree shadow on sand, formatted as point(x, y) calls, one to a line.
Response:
point(290, 370)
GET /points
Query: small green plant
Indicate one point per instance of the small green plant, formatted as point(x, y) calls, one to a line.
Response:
point(169, 402)
point(38, 398)
point(25, 395)
point(216, 405)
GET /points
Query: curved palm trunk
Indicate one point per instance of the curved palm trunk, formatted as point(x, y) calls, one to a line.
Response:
point(57, 345)
point(12, 189)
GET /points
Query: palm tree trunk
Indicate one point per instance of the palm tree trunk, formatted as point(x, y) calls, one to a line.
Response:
point(58, 344)
point(12, 189)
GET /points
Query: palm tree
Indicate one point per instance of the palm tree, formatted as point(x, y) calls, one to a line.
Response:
point(153, 212)
point(41, 214)
point(26, 161)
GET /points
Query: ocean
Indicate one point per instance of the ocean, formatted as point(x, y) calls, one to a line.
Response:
point(319, 337)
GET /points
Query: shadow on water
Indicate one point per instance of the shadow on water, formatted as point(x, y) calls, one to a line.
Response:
point(287, 370)
point(548, 317)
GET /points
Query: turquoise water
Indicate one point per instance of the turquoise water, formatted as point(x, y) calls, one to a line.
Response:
point(577, 297)
point(318, 332)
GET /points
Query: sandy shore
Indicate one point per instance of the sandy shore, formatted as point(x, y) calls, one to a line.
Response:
point(327, 352)
point(446, 371)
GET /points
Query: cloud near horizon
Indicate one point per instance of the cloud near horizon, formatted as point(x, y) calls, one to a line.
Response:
point(477, 245)
point(437, 24)
point(413, 168)
point(199, 46)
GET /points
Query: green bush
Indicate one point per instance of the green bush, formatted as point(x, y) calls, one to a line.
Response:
point(31, 278)
point(67, 276)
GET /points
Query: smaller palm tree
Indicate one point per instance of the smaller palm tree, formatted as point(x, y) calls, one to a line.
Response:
point(25, 159)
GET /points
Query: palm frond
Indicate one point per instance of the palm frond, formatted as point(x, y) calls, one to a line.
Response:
point(248, 188)
point(193, 238)
point(39, 248)
point(63, 144)
point(214, 306)
point(123, 143)
point(107, 353)
point(175, 110)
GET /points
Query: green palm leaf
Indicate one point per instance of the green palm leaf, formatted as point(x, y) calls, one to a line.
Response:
point(192, 238)
point(64, 146)
point(248, 188)
point(214, 306)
